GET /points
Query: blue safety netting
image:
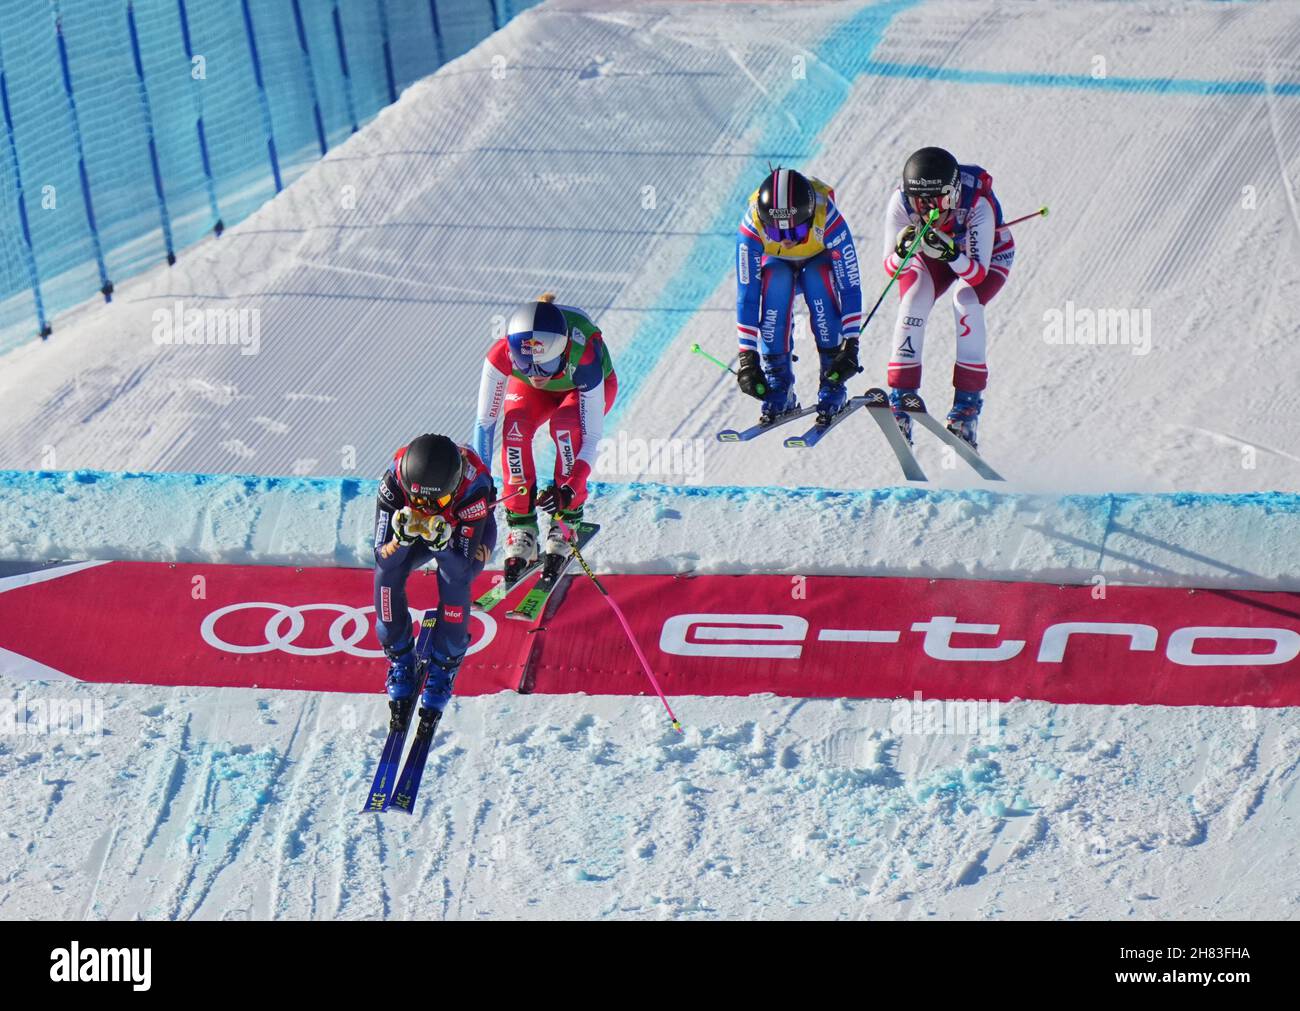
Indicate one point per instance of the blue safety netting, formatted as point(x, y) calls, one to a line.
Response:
point(133, 128)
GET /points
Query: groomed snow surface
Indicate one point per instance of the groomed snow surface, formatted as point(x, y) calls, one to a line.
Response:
point(242, 804)
point(608, 162)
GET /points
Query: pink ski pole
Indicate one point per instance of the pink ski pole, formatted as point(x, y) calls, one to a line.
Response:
point(622, 619)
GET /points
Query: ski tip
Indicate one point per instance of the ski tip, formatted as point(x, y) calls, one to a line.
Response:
point(729, 435)
point(794, 442)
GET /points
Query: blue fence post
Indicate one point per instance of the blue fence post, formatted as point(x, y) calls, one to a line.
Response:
point(311, 78)
point(388, 52)
point(267, 125)
point(219, 227)
point(148, 125)
point(28, 253)
point(343, 65)
point(497, 21)
point(439, 49)
point(106, 286)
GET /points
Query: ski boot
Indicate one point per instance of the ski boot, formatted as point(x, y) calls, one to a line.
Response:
point(436, 694)
point(901, 416)
point(965, 415)
point(780, 399)
point(557, 550)
point(402, 684)
point(838, 364)
point(521, 545)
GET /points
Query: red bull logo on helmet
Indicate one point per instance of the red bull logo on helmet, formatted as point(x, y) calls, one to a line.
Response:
point(532, 347)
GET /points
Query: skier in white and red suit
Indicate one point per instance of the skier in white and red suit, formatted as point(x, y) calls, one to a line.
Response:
point(966, 249)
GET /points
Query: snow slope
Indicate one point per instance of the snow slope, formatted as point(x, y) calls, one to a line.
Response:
point(605, 152)
point(379, 277)
point(241, 804)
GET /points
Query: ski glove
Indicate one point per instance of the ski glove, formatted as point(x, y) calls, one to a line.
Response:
point(903, 243)
point(750, 376)
point(940, 246)
point(570, 493)
point(409, 525)
point(845, 363)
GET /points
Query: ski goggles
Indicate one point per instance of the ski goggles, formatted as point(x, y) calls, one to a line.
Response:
point(941, 202)
point(540, 370)
point(796, 234)
point(427, 502)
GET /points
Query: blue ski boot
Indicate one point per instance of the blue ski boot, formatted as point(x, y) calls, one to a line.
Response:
point(838, 365)
point(780, 398)
point(901, 416)
point(401, 684)
point(965, 415)
point(437, 689)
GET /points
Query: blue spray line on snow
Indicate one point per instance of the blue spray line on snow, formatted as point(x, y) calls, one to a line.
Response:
point(847, 51)
point(343, 66)
point(29, 254)
point(149, 132)
point(263, 103)
point(382, 7)
point(1017, 79)
point(439, 48)
point(106, 286)
point(309, 75)
point(218, 225)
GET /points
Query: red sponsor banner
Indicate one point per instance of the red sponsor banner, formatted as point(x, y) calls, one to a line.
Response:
point(852, 637)
point(831, 636)
point(231, 625)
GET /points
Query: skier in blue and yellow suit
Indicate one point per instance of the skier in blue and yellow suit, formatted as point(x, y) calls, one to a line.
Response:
point(794, 239)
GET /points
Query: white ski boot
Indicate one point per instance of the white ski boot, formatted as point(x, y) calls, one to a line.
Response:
point(521, 552)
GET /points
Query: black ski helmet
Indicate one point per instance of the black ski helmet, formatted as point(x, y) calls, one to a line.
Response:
point(932, 180)
point(430, 471)
point(786, 203)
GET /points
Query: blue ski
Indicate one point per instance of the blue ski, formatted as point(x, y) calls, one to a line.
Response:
point(413, 771)
point(754, 431)
point(382, 790)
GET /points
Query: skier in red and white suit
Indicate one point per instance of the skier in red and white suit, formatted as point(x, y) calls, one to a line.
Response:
point(966, 247)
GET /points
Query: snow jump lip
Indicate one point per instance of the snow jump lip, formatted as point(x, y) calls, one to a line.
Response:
point(1237, 542)
point(275, 627)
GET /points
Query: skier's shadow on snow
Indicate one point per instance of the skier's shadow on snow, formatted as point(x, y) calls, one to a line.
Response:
point(1152, 567)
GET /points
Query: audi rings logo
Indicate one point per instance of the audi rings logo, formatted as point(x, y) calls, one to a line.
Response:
point(286, 622)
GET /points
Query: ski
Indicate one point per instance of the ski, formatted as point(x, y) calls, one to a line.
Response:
point(413, 771)
point(382, 789)
point(877, 404)
point(915, 406)
point(501, 589)
point(390, 760)
point(814, 435)
point(530, 608)
point(744, 435)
